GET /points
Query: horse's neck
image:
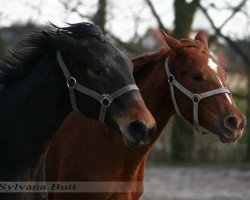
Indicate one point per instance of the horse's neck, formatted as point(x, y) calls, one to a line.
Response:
point(156, 94)
point(158, 99)
point(31, 110)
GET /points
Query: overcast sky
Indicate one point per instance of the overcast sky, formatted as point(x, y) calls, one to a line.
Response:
point(121, 15)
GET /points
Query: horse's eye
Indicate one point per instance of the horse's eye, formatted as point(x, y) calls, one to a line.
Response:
point(97, 71)
point(196, 77)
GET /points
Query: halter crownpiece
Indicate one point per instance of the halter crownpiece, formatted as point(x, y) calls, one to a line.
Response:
point(196, 98)
point(104, 99)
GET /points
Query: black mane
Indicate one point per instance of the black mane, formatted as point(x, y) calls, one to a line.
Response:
point(81, 30)
point(30, 49)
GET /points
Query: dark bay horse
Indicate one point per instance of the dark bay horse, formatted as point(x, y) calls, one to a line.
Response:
point(40, 89)
point(107, 159)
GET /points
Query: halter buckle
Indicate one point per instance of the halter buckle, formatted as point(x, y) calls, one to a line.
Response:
point(106, 100)
point(196, 98)
point(171, 79)
point(71, 82)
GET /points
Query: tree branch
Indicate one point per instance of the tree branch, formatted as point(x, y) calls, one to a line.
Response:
point(128, 46)
point(157, 17)
point(235, 10)
point(233, 44)
point(74, 9)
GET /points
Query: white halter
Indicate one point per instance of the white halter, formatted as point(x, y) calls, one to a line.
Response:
point(104, 99)
point(196, 98)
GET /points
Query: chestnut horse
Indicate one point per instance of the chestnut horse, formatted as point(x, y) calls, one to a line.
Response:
point(106, 159)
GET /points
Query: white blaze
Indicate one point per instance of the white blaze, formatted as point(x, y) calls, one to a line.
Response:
point(229, 98)
point(212, 65)
point(220, 81)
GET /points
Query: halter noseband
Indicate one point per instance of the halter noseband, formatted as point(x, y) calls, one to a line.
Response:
point(196, 98)
point(104, 99)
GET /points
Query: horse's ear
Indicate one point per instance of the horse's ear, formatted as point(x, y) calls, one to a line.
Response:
point(202, 37)
point(171, 42)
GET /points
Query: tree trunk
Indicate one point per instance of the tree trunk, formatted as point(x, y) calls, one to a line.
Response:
point(243, 53)
point(248, 117)
point(184, 15)
point(182, 138)
point(182, 142)
point(100, 17)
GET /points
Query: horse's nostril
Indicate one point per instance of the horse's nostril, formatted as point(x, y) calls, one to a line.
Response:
point(151, 131)
point(231, 122)
point(243, 122)
point(138, 130)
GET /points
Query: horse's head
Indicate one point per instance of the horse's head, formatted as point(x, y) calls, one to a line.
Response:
point(193, 67)
point(103, 85)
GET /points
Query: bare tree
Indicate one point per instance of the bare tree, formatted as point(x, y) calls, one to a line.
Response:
point(184, 15)
point(154, 13)
point(100, 17)
point(182, 140)
point(243, 54)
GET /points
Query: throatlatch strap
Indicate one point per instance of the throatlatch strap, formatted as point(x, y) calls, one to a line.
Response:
point(175, 103)
point(104, 99)
point(73, 100)
point(63, 66)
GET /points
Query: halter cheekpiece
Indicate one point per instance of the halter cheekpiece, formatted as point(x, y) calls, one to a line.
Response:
point(196, 98)
point(104, 99)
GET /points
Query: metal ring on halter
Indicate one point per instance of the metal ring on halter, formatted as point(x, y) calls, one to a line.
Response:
point(196, 98)
point(71, 82)
point(171, 79)
point(106, 100)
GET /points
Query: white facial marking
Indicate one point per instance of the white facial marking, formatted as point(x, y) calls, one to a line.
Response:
point(212, 65)
point(227, 95)
point(221, 84)
point(229, 98)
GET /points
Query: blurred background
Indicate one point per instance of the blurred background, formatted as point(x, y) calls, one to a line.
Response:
point(185, 164)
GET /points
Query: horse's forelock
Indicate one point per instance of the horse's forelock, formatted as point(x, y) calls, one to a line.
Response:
point(191, 49)
point(198, 45)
